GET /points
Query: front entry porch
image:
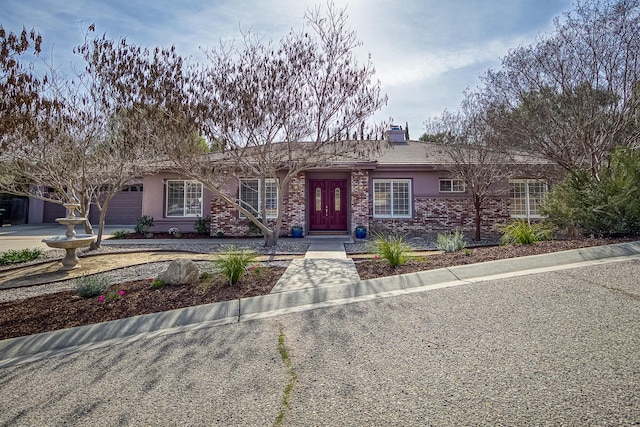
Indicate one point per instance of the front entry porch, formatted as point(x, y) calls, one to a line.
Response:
point(328, 206)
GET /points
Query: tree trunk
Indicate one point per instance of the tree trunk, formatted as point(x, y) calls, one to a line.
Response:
point(477, 208)
point(270, 239)
point(88, 228)
point(103, 214)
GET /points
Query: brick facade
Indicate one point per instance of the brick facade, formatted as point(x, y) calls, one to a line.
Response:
point(224, 217)
point(440, 214)
point(431, 214)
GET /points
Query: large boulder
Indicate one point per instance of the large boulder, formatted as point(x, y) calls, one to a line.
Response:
point(180, 272)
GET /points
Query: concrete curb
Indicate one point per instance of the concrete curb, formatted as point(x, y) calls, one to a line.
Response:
point(22, 349)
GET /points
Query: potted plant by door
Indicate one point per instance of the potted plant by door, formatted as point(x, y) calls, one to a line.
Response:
point(296, 231)
point(361, 232)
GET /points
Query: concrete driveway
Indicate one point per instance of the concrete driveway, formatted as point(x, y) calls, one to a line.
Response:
point(551, 348)
point(28, 236)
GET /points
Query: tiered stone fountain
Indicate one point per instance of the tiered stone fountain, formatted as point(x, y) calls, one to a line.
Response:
point(70, 241)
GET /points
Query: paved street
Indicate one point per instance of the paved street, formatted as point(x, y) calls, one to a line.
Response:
point(555, 348)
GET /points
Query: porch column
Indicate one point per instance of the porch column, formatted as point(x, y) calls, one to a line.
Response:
point(296, 204)
point(359, 198)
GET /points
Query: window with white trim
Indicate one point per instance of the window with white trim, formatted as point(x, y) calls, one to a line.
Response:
point(527, 195)
point(392, 198)
point(184, 199)
point(250, 196)
point(448, 185)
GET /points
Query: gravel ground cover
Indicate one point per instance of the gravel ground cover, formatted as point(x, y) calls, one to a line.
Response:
point(284, 247)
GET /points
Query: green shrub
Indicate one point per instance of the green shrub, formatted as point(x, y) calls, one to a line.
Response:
point(202, 225)
point(234, 263)
point(392, 248)
point(520, 232)
point(253, 228)
point(158, 284)
point(91, 286)
point(451, 242)
point(120, 234)
point(605, 206)
point(16, 257)
point(205, 275)
point(143, 224)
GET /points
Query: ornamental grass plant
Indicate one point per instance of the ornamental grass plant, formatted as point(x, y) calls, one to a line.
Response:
point(234, 263)
point(520, 232)
point(392, 248)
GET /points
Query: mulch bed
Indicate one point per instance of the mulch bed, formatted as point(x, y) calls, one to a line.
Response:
point(371, 269)
point(65, 309)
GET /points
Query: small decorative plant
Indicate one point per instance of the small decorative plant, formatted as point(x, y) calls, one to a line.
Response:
point(143, 224)
point(205, 275)
point(234, 263)
point(220, 233)
point(202, 225)
point(91, 286)
point(392, 248)
point(13, 256)
point(120, 234)
point(112, 296)
point(206, 282)
point(451, 242)
point(157, 283)
point(175, 232)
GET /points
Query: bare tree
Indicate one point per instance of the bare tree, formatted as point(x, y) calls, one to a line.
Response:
point(279, 109)
point(78, 148)
point(20, 87)
point(573, 95)
point(36, 128)
point(467, 138)
point(270, 110)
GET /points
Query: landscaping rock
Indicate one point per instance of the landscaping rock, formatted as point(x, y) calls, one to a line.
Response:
point(180, 272)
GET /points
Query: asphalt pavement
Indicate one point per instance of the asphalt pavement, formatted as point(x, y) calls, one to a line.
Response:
point(549, 348)
point(549, 339)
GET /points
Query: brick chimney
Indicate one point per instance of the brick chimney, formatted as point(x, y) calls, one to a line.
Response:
point(395, 134)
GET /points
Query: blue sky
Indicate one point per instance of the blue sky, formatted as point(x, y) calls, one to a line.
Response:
point(426, 52)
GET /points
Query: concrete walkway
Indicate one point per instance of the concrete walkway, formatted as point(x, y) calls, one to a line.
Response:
point(325, 264)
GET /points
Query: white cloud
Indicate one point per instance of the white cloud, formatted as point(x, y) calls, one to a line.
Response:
point(426, 52)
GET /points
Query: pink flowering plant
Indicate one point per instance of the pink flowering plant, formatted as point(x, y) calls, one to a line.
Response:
point(255, 269)
point(112, 296)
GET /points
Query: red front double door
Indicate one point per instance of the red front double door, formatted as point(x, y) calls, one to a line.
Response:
point(328, 204)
